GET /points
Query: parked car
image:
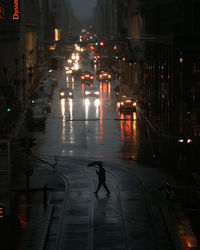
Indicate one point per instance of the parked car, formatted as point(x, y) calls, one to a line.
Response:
point(44, 102)
point(46, 89)
point(39, 116)
point(35, 117)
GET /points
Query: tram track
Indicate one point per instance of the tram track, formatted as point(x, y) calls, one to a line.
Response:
point(93, 206)
point(161, 243)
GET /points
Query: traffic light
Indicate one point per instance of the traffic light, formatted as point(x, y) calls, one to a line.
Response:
point(9, 109)
point(2, 211)
point(96, 44)
point(101, 43)
point(54, 64)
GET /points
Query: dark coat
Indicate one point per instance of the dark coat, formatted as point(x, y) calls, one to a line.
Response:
point(102, 175)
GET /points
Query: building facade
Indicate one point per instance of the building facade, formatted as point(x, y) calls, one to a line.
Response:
point(171, 63)
point(26, 29)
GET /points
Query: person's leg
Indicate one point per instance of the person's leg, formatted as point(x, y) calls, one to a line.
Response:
point(99, 185)
point(106, 188)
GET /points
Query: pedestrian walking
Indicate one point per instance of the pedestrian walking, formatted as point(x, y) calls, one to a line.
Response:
point(102, 179)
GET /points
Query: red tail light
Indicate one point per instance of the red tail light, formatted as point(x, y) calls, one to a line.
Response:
point(82, 77)
point(109, 76)
point(128, 101)
point(91, 77)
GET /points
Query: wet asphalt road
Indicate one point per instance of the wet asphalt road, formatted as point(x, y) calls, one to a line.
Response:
point(79, 131)
point(91, 128)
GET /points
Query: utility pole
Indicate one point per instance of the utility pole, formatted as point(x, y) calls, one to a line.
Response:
point(27, 163)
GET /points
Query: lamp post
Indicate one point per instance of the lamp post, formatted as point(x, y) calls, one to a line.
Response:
point(23, 82)
point(181, 91)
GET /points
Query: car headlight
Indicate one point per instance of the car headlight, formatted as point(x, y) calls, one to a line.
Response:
point(96, 92)
point(62, 93)
point(70, 93)
point(135, 104)
point(87, 92)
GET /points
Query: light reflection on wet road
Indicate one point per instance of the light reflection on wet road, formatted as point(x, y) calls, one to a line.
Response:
point(89, 127)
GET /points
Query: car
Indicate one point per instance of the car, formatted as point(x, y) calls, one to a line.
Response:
point(105, 76)
point(127, 103)
point(38, 116)
point(91, 92)
point(66, 93)
point(45, 89)
point(44, 102)
point(87, 78)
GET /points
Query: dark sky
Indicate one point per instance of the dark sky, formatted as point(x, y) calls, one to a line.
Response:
point(83, 8)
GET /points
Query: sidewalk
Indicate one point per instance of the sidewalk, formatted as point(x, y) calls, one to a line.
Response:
point(172, 209)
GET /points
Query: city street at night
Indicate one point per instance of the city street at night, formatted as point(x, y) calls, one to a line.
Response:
point(99, 125)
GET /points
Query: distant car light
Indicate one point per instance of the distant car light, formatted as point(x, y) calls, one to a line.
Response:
point(62, 93)
point(87, 92)
point(96, 92)
point(135, 104)
point(189, 140)
point(70, 93)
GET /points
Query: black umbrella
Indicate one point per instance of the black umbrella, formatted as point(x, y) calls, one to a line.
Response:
point(94, 163)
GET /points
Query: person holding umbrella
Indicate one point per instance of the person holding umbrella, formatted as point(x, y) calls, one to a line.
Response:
point(101, 176)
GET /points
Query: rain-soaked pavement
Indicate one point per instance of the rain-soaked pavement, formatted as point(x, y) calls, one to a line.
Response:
point(91, 127)
point(77, 132)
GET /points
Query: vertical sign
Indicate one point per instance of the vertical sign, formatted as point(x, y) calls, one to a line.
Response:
point(16, 10)
point(10, 10)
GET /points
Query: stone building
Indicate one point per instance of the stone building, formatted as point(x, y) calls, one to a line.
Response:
point(172, 63)
point(27, 29)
